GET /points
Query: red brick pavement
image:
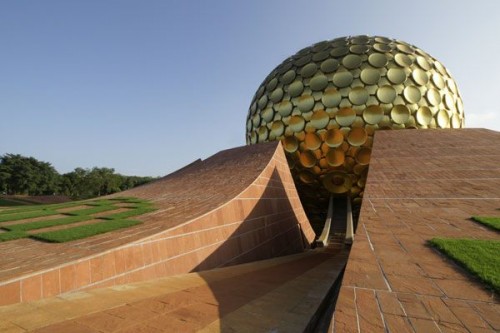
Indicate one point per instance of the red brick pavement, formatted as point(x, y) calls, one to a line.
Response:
point(421, 184)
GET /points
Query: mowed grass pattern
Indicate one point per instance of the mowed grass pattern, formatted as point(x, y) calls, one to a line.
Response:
point(479, 257)
point(492, 222)
point(104, 223)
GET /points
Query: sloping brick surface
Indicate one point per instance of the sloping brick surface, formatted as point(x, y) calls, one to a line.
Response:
point(237, 206)
point(421, 184)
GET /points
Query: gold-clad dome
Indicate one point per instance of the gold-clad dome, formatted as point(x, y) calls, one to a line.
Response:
point(326, 101)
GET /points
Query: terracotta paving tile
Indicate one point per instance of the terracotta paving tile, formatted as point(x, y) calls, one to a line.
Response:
point(370, 319)
point(31, 288)
point(167, 323)
point(424, 326)
point(398, 324)
point(50, 283)
point(35, 319)
point(413, 306)
point(439, 310)
point(66, 327)
point(452, 328)
point(156, 306)
point(471, 319)
point(489, 312)
point(389, 303)
point(346, 316)
point(131, 312)
point(11, 293)
point(141, 328)
point(413, 284)
point(439, 269)
point(200, 314)
point(465, 289)
point(104, 322)
point(68, 278)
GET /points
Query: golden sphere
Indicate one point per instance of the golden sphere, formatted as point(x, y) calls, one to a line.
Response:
point(325, 103)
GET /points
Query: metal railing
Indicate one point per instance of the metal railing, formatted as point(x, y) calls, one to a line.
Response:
point(322, 240)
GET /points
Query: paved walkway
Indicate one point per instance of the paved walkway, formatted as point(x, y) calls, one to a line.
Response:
point(421, 184)
point(280, 294)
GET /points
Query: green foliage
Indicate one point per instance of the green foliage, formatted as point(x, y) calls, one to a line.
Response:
point(26, 215)
point(27, 175)
point(11, 235)
point(48, 223)
point(84, 231)
point(90, 183)
point(492, 222)
point(479, 257)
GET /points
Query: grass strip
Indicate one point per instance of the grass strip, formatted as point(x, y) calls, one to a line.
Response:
point(11, 235)
point(492, 222)
point(48, 223)
point(84, 231)
point(28, 208)
point(128, 213)
point(480, 257)
point(27, 215)
point(92, 210)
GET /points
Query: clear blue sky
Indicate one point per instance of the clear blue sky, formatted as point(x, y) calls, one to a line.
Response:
point(146, 87)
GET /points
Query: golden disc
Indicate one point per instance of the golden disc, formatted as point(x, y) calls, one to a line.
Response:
point(320, 119)
point(290, 144)
point(312, 141)
point(335, 157)
point(373, 114)
point(345, 116)
point(400, 114)
point(357, 136)
point(296, 123)
point(334, 137)
point(331, 98)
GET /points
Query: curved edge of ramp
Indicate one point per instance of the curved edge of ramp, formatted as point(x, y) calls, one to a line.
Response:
point(199, 226)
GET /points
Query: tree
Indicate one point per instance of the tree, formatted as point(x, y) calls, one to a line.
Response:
point(27, 175)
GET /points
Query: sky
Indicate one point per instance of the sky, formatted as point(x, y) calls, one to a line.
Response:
point(148, 86)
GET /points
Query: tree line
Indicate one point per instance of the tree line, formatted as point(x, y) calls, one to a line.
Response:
point(29, 176)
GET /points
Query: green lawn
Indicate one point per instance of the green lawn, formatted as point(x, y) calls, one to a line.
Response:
point(92, 210)
point(492, 222)
point(479, 257)
point(84, 231)
point(106, 223)
point(29, 208)
point(7, 236)
point(27, 215)
point(47, 223)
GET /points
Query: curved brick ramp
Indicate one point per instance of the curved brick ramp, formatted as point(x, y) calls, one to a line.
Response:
point(237, 206)
point(282, 294)
point(421, 184)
